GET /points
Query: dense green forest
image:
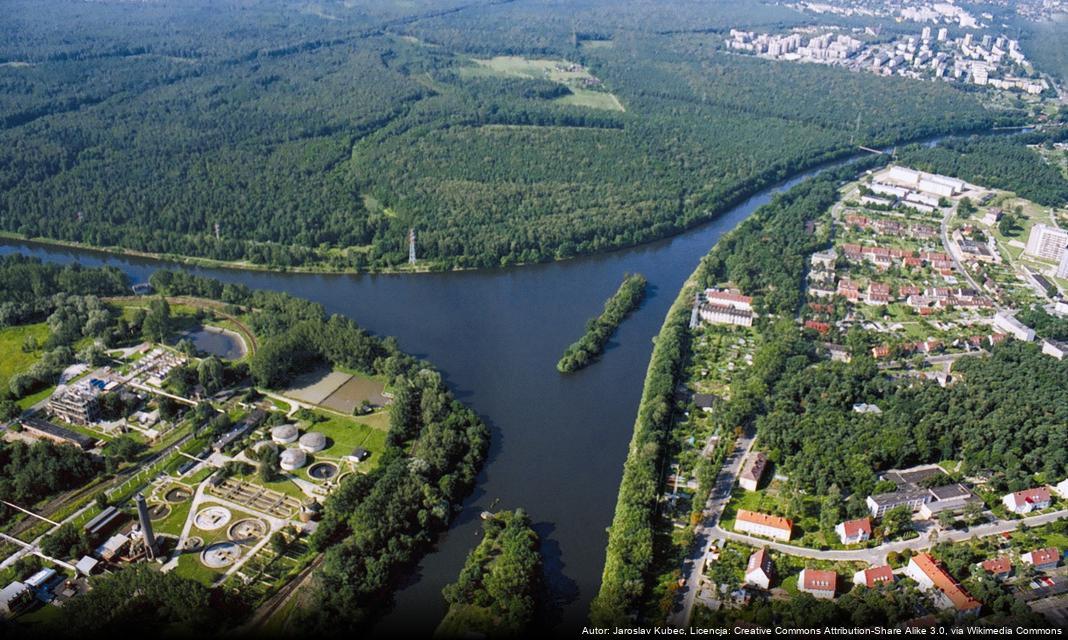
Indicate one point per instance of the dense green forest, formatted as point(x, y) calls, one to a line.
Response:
point(296, 134)
point(30, 473)
point(1004, 417)
point(501, 588)
point(599, 330)
point(1044, 324)
point(141, 597)
point(29, 288)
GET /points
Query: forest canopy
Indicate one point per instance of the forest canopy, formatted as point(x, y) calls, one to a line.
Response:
point(285, 137)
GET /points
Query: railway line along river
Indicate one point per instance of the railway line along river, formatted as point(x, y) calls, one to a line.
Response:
point(559, 441)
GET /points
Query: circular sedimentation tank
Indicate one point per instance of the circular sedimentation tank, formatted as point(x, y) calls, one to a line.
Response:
point(212, 518)
point(193, 543)
point(177, 495)
point(159, 511)
point(247, 530)
point(220, 554)
point(322, 470)
point(285, 434)
point(312, 442)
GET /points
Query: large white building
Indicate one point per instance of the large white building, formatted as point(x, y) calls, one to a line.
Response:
point(1047, 242)
point(714, 306)
point(1010, 325)
point(930, 183)
point(762, 524)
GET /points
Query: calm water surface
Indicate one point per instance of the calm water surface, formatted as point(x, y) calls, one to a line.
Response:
point(559, 442)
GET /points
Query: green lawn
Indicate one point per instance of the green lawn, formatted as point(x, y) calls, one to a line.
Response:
point(33, 399)
point(12, 359)
point(175, 521)
point(282, 485)
point(345, 434)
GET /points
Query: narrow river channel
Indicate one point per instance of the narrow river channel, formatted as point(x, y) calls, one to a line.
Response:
point(559, 442)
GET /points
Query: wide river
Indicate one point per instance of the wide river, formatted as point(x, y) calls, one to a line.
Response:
point(559, 441)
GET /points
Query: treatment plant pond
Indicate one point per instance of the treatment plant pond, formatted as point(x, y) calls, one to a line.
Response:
point(216, 342)
point(559, 441)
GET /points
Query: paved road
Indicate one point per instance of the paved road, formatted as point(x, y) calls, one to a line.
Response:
point(950, 249)
point(877, 555)
point(704, 532)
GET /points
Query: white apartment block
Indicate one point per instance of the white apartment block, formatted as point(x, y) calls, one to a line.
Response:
point(1047, 242)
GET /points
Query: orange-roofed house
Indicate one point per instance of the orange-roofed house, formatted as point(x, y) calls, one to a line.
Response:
point(854, 531)
point(821, 584)
point(998, 567)
point(1043, 559)
point(926, 571)
point(762, 524)
point(874, 577)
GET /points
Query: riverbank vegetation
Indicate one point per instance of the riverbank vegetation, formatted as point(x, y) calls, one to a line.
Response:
point(599, 330)
point(630, 537)
point(772, 263)
point(245, 138)
point(501, 588)
point(375, 526)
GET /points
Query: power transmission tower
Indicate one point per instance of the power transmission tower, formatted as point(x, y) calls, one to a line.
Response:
point(411, 246)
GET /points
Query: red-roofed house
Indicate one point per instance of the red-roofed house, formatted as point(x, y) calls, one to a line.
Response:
point(874, 576)
point(821, 584)
point(730, 299)
point(762, 524)
point(1028, 500)
point(760, 570)
point(998, 567)
point(820, 327)
point(878, 293)
point(854, 531)
point(1043, 559)
point(926, 571)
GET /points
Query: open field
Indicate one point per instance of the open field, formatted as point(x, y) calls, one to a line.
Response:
point(345, 434)
point(12, 357)
point(592, 100)
point(573, 76)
